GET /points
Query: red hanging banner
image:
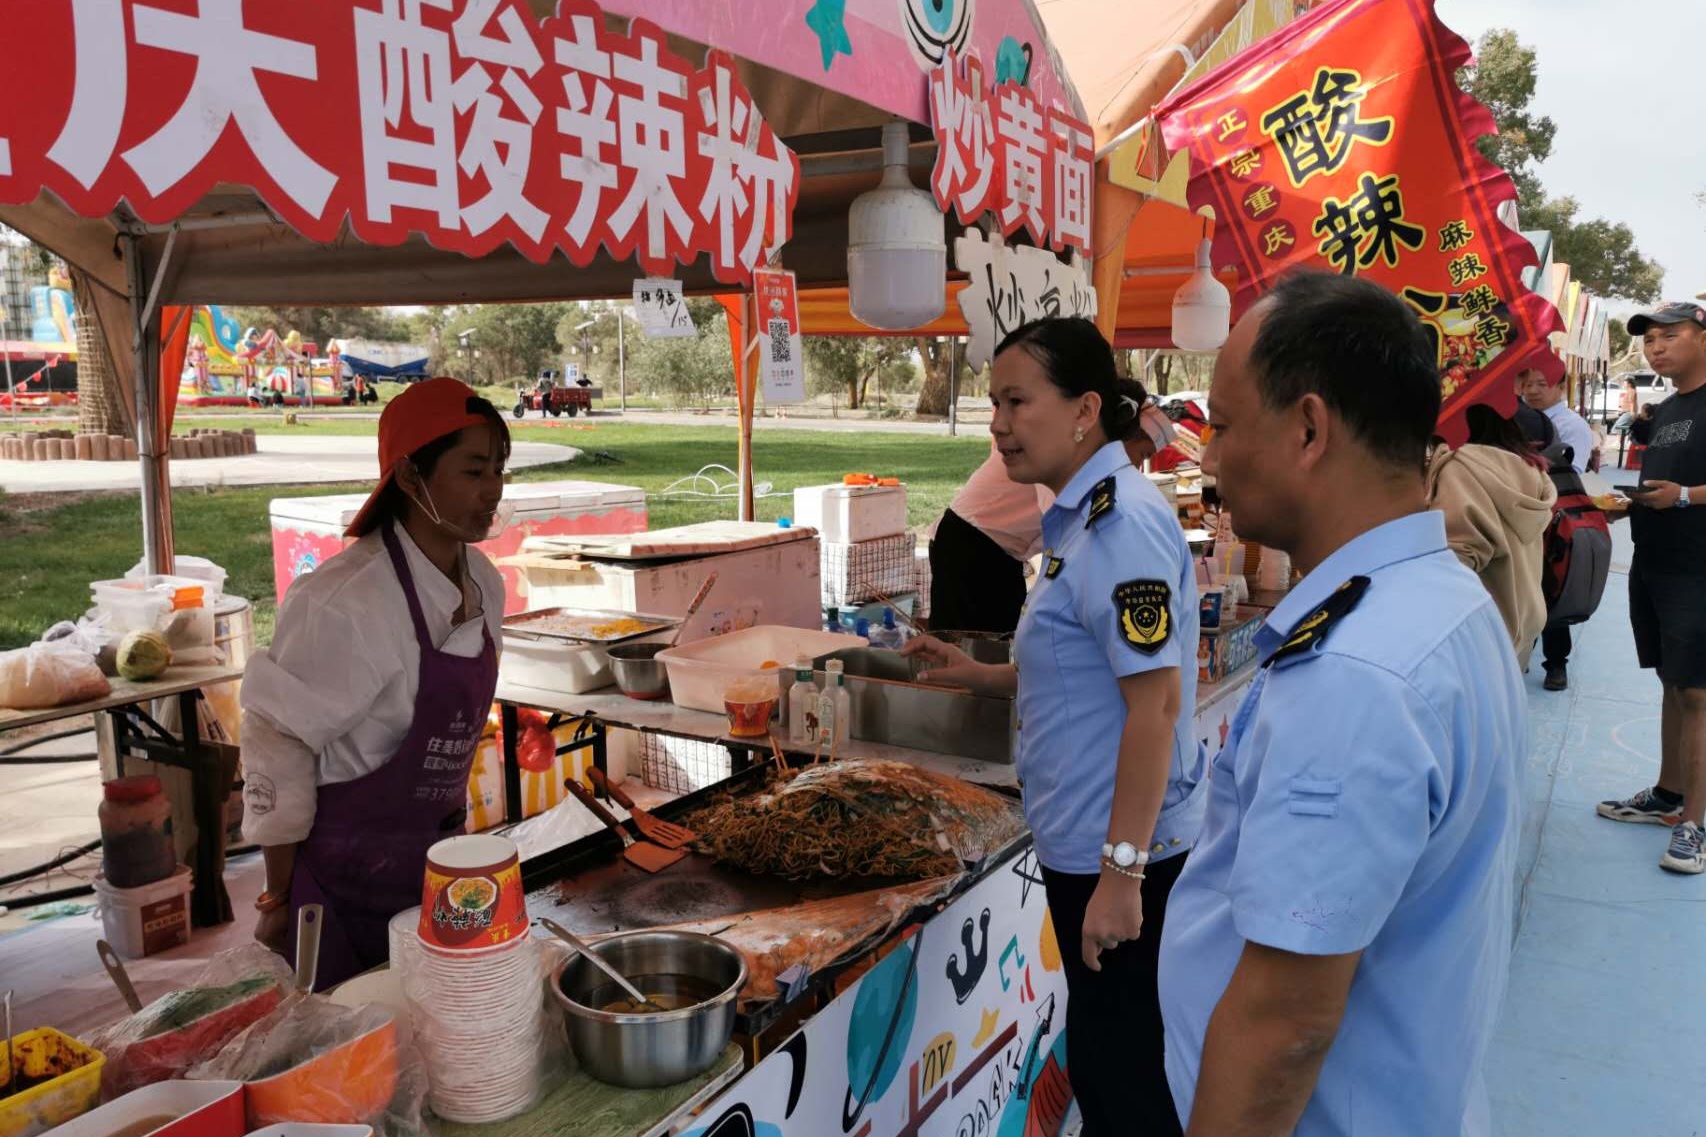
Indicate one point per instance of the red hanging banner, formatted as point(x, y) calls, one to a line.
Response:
point(466, 121)
point(1343, 144)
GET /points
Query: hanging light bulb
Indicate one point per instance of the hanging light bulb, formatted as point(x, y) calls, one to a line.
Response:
point(1202, 308)
point(896, 253)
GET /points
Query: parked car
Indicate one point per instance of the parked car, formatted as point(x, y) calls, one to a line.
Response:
point(1649, 388)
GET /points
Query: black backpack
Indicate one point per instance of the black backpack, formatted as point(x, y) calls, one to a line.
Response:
point(1577, 546)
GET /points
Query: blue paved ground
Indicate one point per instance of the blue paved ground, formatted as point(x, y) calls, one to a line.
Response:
point(1602, 1025)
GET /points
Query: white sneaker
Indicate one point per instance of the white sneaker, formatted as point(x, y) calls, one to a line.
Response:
point(1687, 852)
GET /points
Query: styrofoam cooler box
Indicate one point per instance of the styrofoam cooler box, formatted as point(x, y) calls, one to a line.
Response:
point(776, 584)
point(307, 531)
point(845, 515)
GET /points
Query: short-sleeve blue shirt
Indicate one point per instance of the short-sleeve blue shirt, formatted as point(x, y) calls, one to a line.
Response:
point(1117, 597)
point(1366, 800)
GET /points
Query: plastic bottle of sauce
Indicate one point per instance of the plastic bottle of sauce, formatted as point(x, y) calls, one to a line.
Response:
point(802, 703)
point(834, 707)
point(136, 832)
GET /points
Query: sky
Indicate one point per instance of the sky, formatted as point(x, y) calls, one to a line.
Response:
point(1597, 76)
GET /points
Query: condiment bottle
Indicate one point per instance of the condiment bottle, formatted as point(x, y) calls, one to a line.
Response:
point(802, 702)
point(834, 707)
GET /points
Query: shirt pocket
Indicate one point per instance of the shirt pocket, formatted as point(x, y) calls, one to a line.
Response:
point(1314, 797)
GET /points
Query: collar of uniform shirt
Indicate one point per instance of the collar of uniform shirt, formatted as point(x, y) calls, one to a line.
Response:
point(1102, 463)
point(438, 591)
point(1404, 539)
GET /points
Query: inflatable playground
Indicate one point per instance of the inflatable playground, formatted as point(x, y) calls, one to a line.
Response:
point(225, 368)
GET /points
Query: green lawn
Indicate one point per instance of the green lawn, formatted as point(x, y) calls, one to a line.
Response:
point(49, 555)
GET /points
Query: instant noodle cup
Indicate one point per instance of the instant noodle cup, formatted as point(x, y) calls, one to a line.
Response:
point(472, 899)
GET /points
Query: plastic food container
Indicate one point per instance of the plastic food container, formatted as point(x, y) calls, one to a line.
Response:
point(167, 1109)
point(192, 568)
point(345, 1085)
point(551, 661)
point(152, 918)
point(136, 832)
point(72, 1086)
point(700, 674)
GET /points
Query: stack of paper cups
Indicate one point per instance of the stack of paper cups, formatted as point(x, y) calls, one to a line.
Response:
point(1275, 572)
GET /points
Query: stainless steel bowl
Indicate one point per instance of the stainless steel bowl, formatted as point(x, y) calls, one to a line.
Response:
point(638, 672)
point(639, 1051)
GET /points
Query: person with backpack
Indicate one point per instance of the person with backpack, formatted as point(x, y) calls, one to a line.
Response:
point(1667, 580)
point(1497, 502)
point(1577, 563)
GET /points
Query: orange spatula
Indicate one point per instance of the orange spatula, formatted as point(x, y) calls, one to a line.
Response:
point(640, 854)
point(655, 829)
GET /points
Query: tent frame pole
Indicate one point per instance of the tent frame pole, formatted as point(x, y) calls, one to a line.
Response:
point(145, 345)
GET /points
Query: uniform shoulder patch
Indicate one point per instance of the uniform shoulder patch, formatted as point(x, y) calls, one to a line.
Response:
point(1313, 629)
point(1101, 499)
point(1055, 564)
point(1142, 608)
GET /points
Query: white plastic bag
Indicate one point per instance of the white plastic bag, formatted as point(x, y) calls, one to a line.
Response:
point(49, 675)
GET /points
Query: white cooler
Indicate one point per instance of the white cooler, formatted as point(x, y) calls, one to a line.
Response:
point(306, 531)
point(847, 515)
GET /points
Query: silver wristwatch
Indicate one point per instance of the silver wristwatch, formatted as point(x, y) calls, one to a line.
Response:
point(1125, 855)
point(1682, 501)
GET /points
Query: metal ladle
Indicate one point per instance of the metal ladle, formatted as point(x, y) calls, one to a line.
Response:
point(599, 962)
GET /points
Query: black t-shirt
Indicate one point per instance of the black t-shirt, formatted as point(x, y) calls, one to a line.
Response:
point(1673, 540)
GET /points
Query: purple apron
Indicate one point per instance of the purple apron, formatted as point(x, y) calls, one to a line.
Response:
point(365, 858)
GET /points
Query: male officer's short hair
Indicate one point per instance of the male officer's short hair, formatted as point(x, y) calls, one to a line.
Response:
point(1362, 350)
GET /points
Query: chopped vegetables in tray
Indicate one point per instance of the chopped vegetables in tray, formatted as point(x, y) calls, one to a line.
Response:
point(599, 628)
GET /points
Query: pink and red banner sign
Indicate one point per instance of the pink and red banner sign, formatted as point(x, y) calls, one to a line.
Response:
point(466, 121)
point(1342, 143)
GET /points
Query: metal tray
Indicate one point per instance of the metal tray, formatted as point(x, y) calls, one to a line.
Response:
point(517, 625)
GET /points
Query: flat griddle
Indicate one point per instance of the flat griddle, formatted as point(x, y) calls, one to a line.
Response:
point(587, 886)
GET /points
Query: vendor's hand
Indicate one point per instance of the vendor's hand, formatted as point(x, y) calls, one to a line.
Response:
point(1657, 495)
point(273, 929)
point(948, 665)
point(1114, 917)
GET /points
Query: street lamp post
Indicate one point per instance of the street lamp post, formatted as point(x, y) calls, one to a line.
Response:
point(462, 348)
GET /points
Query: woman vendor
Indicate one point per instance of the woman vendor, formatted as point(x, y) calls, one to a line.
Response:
point(361, 720)
point(1104, 675)
point(993, 526)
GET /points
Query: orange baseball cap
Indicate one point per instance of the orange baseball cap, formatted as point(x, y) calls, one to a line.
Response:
point(424, 413)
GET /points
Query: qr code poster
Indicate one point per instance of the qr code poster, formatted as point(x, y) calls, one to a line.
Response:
point(781, 356)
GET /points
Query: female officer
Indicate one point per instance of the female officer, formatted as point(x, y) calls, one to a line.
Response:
point(1104, 667)
point(360, 721)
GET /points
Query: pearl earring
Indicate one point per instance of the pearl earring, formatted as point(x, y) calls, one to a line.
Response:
point(1078, 435)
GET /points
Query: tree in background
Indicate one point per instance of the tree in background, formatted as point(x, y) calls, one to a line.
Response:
point(1601, 255)
point(935, 354)
point(689, 371)
point(322, 325)
point(844, 367)
point(514, 342)
point(101, 408)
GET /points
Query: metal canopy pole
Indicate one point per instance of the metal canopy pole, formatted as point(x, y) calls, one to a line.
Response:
point(953, 386)
point(156, 474)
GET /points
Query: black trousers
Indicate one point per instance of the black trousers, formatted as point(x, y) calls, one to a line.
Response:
point(974, 585)
point(1114, 1042)
point(1555, 641)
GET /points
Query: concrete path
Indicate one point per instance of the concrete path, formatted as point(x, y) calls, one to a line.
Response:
point(284, 459)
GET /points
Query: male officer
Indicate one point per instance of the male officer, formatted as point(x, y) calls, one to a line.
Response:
point(1337, 947)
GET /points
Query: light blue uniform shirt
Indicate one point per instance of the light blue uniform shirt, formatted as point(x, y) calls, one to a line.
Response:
point(1366, 800)
point(1574, 431)
point(1117, 597)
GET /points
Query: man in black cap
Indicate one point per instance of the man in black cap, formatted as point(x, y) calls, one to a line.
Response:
point(1667, 581)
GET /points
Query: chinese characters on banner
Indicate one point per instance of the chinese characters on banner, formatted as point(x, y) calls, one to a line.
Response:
point(1356, 155)
point(781, 355)
point(467, 121)
point(1002, 152)
point(660, 310)
point(1012, 285)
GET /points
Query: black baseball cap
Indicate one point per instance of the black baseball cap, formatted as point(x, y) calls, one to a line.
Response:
point(1682, 312)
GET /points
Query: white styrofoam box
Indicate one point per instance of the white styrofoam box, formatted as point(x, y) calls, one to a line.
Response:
point(775, 585)
point(699, 673)
point(682, 765)
point(846, 515)
point(853, 574)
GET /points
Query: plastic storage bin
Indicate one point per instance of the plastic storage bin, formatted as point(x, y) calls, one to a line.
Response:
point(846, 515)
point(699, 673)
point(35, 1054)
point(191, 568)
point(142, 921)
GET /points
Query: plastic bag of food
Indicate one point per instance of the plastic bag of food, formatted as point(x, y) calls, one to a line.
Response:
point(49, 675)
point(178, 1030)
point(313, 1061)
point(858, 820)
point(91, 636)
